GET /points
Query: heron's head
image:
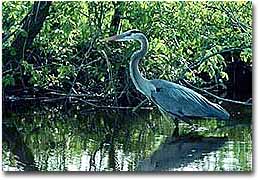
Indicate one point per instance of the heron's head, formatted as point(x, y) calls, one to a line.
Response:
point(133, 34)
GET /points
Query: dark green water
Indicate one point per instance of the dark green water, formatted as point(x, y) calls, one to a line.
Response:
point(51, 138)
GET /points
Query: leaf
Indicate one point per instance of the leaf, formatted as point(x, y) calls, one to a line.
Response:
point(224, 75)
point(8, 80)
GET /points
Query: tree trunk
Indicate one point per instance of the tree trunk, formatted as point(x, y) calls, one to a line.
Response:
point(115, 23)
point(31, 26)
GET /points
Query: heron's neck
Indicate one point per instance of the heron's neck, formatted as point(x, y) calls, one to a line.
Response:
point(138, 80)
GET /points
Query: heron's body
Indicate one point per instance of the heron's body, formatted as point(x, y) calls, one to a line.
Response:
point(178, 101)
point(187, 103)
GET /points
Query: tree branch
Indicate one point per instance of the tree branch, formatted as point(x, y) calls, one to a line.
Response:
point(201, 60)
point(139, 105)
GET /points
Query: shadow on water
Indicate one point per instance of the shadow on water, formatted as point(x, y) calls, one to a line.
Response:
point(51, 138)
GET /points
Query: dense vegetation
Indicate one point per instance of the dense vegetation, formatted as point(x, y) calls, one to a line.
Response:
point(52, 50)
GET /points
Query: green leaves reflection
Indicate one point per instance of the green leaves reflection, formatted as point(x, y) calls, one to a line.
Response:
point(54, 139)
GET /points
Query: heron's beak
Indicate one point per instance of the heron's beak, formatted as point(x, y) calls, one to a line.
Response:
point(112, 38)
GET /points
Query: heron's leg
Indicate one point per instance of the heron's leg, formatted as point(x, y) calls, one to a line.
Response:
point(176, 129)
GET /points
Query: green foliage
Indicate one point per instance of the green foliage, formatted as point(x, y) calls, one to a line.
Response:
point(246, 55)
point(13, 13)
point(187, 31)
point(181, 34)
point(8, 80)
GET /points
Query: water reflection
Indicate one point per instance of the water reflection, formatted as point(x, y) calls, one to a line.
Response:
point(178, 153)
point(51, 138)
point(16, 145)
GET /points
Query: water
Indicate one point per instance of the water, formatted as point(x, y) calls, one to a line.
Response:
point(54, 138)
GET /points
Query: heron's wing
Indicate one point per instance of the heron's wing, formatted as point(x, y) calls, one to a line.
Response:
point(183, 102)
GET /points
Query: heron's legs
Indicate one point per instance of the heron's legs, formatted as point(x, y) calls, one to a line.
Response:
point(193, 127)
point(176, 133)
point(176, 129)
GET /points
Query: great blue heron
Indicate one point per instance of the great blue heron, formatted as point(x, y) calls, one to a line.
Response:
point(180, 102)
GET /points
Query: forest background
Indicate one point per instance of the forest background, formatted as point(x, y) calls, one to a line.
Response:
point(53, 51)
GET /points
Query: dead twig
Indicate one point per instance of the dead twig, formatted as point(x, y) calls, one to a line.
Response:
point(139, 105)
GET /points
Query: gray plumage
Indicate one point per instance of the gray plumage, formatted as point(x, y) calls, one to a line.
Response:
point(179, 101)
point(182, 102)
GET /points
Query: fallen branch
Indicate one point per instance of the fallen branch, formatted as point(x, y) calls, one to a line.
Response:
point(75, 98)
point(108, 107)
point(43, 99)
point(75, 95)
